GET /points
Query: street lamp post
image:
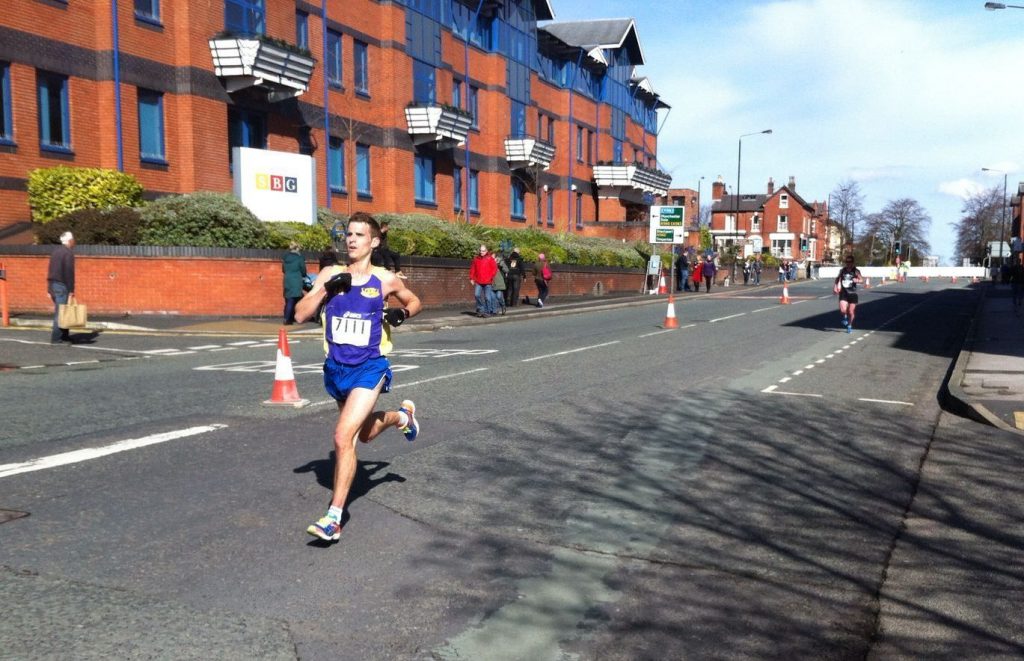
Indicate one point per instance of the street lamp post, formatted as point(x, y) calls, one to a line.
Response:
point(1002, 221)
point(992, 6)
point(736, 198)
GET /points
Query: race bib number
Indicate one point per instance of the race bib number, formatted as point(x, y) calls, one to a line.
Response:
point(350, 330)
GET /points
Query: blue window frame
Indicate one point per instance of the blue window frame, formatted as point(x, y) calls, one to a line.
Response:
point(245, 16)
point(579, 209)
point(54, 119)
point(151, 126)
point(424, 172)
point(474, 190)
point(363, 170)
point(517, 127)
point(361, 59)
point(333, 59)
point(617, 151)
point(457, 181)
point(245, 129)
point(424, 88)
point(148, 10)
point(474, 105)
point(579, 143)
point(336, 164)
point(302, 29)
point(457, 93)
point(551, 210)
point(6, 123)
point(518, 199)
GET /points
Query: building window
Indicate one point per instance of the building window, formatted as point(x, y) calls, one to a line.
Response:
point(423, 84)
point(474, 107)
point(783, 201)
point(579, 209)
point(361, 58)
point(6, 123)
point(245, 129)
point(333, 59)
point(755, 223)
point(517, 126)
point(474, 191)
point(579, 144)
point(540, 126)
point(783, 223)
point(336, 164)
point(782, 247)
point(730, 223)
point(244, 16)
point(457, 181)
point(151, 126)
point(590, 147)
point(551, 210)
point(551, 130)
point(518, 199)
point(424, 172)
point(617, 151)
point(457, 93)
point(148, 10)
point(54, 120)
point(363, 170)
point(302, 29)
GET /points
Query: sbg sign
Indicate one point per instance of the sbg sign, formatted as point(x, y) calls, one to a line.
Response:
point(274, 185)
point(275, 182)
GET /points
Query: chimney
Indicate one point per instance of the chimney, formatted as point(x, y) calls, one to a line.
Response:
point(717, 189)
point(792, 184)
point(771, 186)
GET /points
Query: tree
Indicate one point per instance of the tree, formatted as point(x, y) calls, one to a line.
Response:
point(903, 220)
point(979, 224)
point(846, 208)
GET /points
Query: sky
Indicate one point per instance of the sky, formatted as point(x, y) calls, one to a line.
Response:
point(909, 98)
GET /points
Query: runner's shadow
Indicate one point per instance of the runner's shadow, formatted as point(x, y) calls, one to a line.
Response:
point(364, 481)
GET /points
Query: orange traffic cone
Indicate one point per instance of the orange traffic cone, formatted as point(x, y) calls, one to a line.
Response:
point(974, 280)
point(670, 315)
point(285, 392)
point(867, 283)
point(662, 287)
point(785, 294)
point(953, 279)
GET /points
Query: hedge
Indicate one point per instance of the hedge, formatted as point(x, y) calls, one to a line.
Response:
point(57, 191)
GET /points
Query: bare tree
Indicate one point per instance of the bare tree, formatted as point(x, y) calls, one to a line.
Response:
point(846, 208)
point(903, 220)
point(979, 224)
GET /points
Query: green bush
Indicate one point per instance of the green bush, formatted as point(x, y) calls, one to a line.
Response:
point(202, 219)
point(54, 192)
point(111, 227)
point(309, 237)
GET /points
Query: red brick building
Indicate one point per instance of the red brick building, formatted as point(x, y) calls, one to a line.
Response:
point(402, 107)
point(778, 221)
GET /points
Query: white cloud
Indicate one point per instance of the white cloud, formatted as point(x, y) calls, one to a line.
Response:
point(961, 188)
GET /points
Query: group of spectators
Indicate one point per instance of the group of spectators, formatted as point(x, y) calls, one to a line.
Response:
point(497, 279)
point(691, 268)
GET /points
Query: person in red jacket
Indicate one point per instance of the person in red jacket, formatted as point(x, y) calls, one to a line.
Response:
point(481, 276)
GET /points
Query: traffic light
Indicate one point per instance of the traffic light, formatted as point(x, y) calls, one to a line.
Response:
point(897, 246)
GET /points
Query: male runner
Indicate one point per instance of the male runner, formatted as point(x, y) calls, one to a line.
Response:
point(357, 338)
point(846, 286)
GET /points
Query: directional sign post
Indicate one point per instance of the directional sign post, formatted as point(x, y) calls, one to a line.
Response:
point(668, 224)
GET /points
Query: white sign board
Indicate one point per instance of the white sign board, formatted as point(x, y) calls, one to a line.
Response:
point(276, 185)
point(999, 249)
point(667, 224)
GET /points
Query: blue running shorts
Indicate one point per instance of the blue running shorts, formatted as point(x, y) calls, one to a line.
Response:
point(340, 380)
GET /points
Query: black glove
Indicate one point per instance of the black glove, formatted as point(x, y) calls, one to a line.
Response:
point(395, 316)
point(338, 284)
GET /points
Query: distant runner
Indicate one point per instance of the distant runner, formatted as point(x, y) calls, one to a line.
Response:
point(846, 286)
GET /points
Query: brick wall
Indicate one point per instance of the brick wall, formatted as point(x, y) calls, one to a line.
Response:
point(230, 286)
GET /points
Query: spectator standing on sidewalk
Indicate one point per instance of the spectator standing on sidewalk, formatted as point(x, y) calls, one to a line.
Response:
point(481, 276)
point(541, 277)
point(757, 267)
point(682, 272)
point(709, 272)
point(293, 265)
point(60, 282)
point(698, 274)
point(357, 339)
point(514, 280)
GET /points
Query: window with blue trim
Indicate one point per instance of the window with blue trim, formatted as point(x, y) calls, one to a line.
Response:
point(54, 120)
point(457, 180)
point(363, 170)
point(617, 151)
point(474, 105)
point(148, 10)
point(302, 29)
point(246, 129)
point(151, 126)
point(6, 123)
point(474, 190)
point(517, 127)
point(333, 60)
point(579, 209)
point(245, 16)
point(518, 199)
point(424, 89)
point(336, 164)
point(457, 93)
point(361, 58)
point(423, 167)
point(551, 210)
point(579, 143)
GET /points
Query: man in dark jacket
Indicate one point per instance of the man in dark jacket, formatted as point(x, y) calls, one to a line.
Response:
point(60, 282)
point(514, 279)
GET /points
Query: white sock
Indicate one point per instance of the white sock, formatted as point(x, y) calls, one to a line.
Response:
point(403, 419)
point(334, 513)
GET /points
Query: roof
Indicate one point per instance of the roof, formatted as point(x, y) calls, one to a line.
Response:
point(542, 10)
point(748, 202)
point(647, 88)
point(600, 33)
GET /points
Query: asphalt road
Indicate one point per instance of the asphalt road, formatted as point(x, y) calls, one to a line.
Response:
point(588, 486)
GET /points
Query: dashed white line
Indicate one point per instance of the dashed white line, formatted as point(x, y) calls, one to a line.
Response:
point(731, 316)
point(204, 347)
point(785, 379)
point(86, 454)
point(798, 373)
point(794, 394)
point(885, 401)
point(563, 353)
point(763, 309)
point(820, 360)
point(809, 367)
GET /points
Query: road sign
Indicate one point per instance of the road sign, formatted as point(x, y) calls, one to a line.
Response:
point(667, 224)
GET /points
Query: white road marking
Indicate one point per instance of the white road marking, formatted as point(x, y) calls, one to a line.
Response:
point(798, 373)
point(809, 367)
point(731, 316)
point(416, 383)
point(794, 394)
point(820, 360)
point(86, 454)
point(82, 362)
point(885, 401)
point(785, 379)
point(204, 347)
point(666, 330)
point(770, 389)
point(562, 353)
point(763, 309)
point(243, 343)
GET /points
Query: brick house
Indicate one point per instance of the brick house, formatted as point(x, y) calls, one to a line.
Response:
point(445, 107)
point(778, 221)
